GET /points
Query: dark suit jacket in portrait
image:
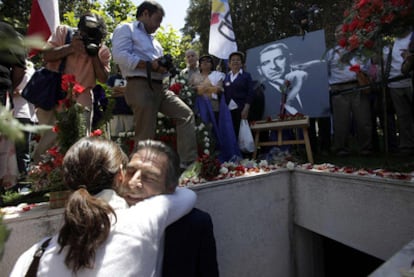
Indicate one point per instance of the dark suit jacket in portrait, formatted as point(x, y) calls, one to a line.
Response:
point(190, 247)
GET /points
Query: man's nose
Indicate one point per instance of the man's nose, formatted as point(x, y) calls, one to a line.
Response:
point(135, 181)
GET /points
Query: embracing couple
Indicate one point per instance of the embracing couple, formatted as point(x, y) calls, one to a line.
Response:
point(114, 221)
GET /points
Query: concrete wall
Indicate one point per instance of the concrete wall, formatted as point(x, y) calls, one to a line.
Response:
point(272, 224)
point(371, 214)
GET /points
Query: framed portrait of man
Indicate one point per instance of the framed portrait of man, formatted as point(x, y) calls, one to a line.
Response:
point(292, 69)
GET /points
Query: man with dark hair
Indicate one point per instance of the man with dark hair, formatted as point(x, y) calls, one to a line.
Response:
point(189, 246)
point(87, 58)
point(140, 58)
point(276, 67)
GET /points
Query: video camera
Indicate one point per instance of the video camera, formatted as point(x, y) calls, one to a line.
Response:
point(167, 62)
point(91, 34)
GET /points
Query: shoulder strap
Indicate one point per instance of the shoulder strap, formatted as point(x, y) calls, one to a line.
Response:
point(32, 271)
point(68, 39)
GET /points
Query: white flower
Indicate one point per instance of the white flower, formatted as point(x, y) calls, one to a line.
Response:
point(206, 151)
point(206, 139)
point(263, 163)
point(290, 165)
point(207, 145)
point(205, 133)
point(224, 170)
point(159, 122)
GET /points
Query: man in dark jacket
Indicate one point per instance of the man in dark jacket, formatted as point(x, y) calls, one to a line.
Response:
point(190, 247)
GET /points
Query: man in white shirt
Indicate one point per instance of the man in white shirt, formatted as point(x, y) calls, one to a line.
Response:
point(138, 55)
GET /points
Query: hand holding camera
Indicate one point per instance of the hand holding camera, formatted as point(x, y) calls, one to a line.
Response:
point(90, 34)
point(166, 61)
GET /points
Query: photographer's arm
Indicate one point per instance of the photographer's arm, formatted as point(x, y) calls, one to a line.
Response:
point(57, 53)
point(100, 72)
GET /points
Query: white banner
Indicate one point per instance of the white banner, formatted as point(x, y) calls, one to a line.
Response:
point(222, 40)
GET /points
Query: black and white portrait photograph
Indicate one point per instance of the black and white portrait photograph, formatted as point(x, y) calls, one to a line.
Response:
point(294, 75)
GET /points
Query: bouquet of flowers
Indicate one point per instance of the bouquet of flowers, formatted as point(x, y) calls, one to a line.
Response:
point(369, 22)
point(165, 129)
point(184, 91)
point(70, 127)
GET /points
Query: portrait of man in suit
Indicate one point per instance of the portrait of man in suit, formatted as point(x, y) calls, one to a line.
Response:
point(292, 69)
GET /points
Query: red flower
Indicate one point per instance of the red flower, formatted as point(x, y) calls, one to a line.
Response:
point(78, 89)
point(96, 133)
point(362, 3)
point(69, 83)
point(53, 151)
point(388, 18)
point(67, 80)
point(55, 129)
point(176, 88)
point(369, 44)
point(353, 42)
point(355, 68)
point(342, 42)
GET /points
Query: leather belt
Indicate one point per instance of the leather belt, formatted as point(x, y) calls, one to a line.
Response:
point(143, 78)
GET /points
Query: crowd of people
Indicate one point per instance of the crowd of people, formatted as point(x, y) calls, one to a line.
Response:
point(127, 216)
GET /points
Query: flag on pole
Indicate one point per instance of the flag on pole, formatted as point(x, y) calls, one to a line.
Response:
point(222, 40)
point(44, 18)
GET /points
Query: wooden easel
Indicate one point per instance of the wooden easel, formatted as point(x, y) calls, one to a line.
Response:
point(279, 125)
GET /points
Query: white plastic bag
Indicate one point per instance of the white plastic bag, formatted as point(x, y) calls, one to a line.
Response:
point(246, 142)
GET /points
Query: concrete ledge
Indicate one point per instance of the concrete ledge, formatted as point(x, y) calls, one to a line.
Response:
point(262, 222)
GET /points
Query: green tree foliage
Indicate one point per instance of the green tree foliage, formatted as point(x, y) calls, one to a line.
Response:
point(258, 22)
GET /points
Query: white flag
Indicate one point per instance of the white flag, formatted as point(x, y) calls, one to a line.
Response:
point(222, 40)
point(44, 18)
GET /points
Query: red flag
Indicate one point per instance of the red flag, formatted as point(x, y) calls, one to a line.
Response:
point(44, 18)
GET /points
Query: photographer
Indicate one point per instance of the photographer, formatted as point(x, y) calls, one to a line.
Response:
point(86, 58)
point(142, 62)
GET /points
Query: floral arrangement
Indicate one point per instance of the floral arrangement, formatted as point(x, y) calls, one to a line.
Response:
point(46, 175)
point(184, 91)
point(165, 129)
point(248, 167)
point(368, 23)
point(126, 141)
point(209, 167)
point(70, 127)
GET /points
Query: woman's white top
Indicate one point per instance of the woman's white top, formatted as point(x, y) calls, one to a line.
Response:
point(132, 246)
